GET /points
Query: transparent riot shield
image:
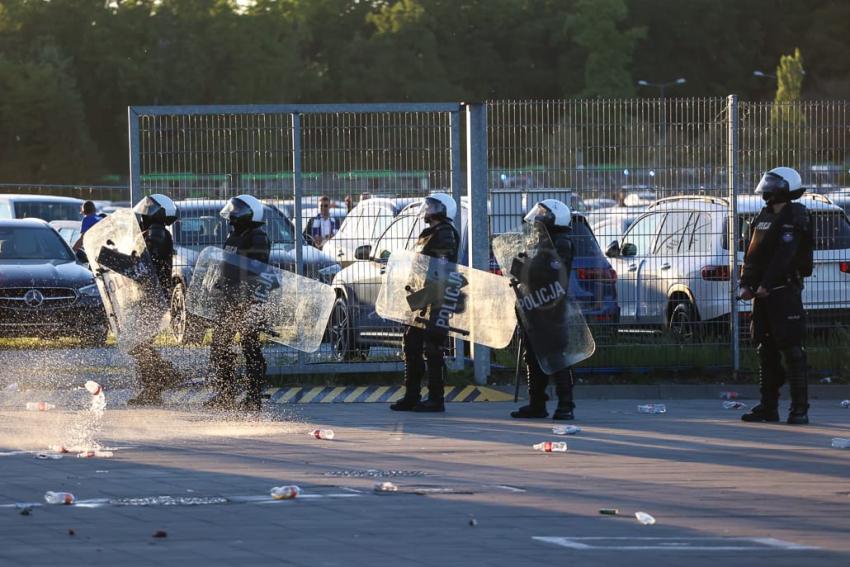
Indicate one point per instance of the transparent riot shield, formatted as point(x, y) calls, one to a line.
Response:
point(291, 309)
point(135, 303)
point(552, 320)
point(447, 298)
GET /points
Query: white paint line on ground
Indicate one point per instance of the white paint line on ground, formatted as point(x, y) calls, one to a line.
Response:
point(677, 544)
point(510, 488)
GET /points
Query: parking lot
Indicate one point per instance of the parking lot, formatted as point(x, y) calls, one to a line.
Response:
point(471, 490)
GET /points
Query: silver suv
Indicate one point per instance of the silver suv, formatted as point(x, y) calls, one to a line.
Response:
point(673, 264)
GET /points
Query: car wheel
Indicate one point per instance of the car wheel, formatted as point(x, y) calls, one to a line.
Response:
point(683, 322)
point(95, 337)
point(185, 327)
point(340, 333)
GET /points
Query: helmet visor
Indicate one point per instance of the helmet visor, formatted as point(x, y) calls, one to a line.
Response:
point(431, 208)
point(538, 214)
point(771, 184)
point(236, 209)
point(148, 207)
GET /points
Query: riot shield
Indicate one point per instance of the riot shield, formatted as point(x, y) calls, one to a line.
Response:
point(135, 303)
point(291, 309)
point(447, 298)
point(552, 320)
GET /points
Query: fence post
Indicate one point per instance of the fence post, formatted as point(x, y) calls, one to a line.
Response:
point(297, 192)
point(477, 219)
point(456, 364)
point(135, 156)
point(733, 234)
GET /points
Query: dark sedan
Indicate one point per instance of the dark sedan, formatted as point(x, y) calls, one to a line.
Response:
point(45, 290)
point(199, 225)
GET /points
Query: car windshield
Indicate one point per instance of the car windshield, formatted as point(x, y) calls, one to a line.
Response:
point(47, 210)
point(32, 243)
point(199, 228)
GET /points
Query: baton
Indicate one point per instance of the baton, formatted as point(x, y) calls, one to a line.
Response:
point(516, 376)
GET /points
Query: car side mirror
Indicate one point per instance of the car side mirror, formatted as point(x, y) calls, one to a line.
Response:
point(363, 252)
point(82, 257)
point(613, 249)
point(629, 249)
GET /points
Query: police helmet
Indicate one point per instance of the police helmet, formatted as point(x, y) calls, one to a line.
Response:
point(243, 210)
point(551, 213)
point(438, 206)
point(156, 208)
point(780, 184)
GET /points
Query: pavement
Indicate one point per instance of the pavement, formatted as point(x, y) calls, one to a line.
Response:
point(471, 490)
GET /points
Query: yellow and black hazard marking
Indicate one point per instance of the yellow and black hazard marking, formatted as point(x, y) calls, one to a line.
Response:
point(365, 394)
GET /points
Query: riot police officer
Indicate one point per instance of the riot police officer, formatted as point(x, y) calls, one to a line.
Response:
point(438, 240)
point(154, 213)
point(551, 263)
point(778, 257)
point(247, 238)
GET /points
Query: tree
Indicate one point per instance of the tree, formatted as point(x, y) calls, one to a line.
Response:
point(609, 49)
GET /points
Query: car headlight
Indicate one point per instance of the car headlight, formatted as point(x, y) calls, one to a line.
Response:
point(329, 272)
point(89, 290)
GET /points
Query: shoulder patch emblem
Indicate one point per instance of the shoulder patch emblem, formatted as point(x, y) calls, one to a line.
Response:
point(788, 237)
point(555, 264)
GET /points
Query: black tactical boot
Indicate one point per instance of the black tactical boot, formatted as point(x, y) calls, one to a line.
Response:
point(435, 402)
point(146, 397)
point(564, 390)
point(795, 359)
point(762, 413)
point(537, 399)
point(405, 404)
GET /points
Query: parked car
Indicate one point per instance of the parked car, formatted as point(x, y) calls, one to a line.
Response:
point(199, 225)
point(596, 204)
point(841, 198)
point(611, 223)
point(45, 289)
point(356, 326)
point(673, 263)
point(363, 225)
point(45, 207)
point(69, 230)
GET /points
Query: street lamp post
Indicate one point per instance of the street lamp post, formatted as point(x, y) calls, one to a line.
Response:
point(662, 86)
point(662, 127)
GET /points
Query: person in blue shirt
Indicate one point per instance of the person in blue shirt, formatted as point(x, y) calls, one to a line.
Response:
point(89, 212)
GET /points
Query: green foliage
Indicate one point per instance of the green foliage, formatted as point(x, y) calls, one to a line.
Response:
point(70, 68)
point(596, 25)
point(789, 77)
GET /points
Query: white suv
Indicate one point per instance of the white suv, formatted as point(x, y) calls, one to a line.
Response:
point(673, 264)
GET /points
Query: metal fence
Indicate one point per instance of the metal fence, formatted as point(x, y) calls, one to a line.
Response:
point(670, 180)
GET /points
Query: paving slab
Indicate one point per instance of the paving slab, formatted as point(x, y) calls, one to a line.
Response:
point(472, 491)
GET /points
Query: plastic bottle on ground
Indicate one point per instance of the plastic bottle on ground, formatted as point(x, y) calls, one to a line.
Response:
point(39, 406)
point(327, 434)
point(385, 486)
point(841, 443)
point(551, 447)
point(845, 404)
point(565, 429)
point(644, 518)
point(287, 492)
point(734, 405)
point(91, 453)
point(652, 408)
point(58, 497)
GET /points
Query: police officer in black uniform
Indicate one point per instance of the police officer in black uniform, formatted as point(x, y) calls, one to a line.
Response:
point(778, 257)
point(439, 240)
point(247, 238)
point(154, 213)
point(552, 219)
